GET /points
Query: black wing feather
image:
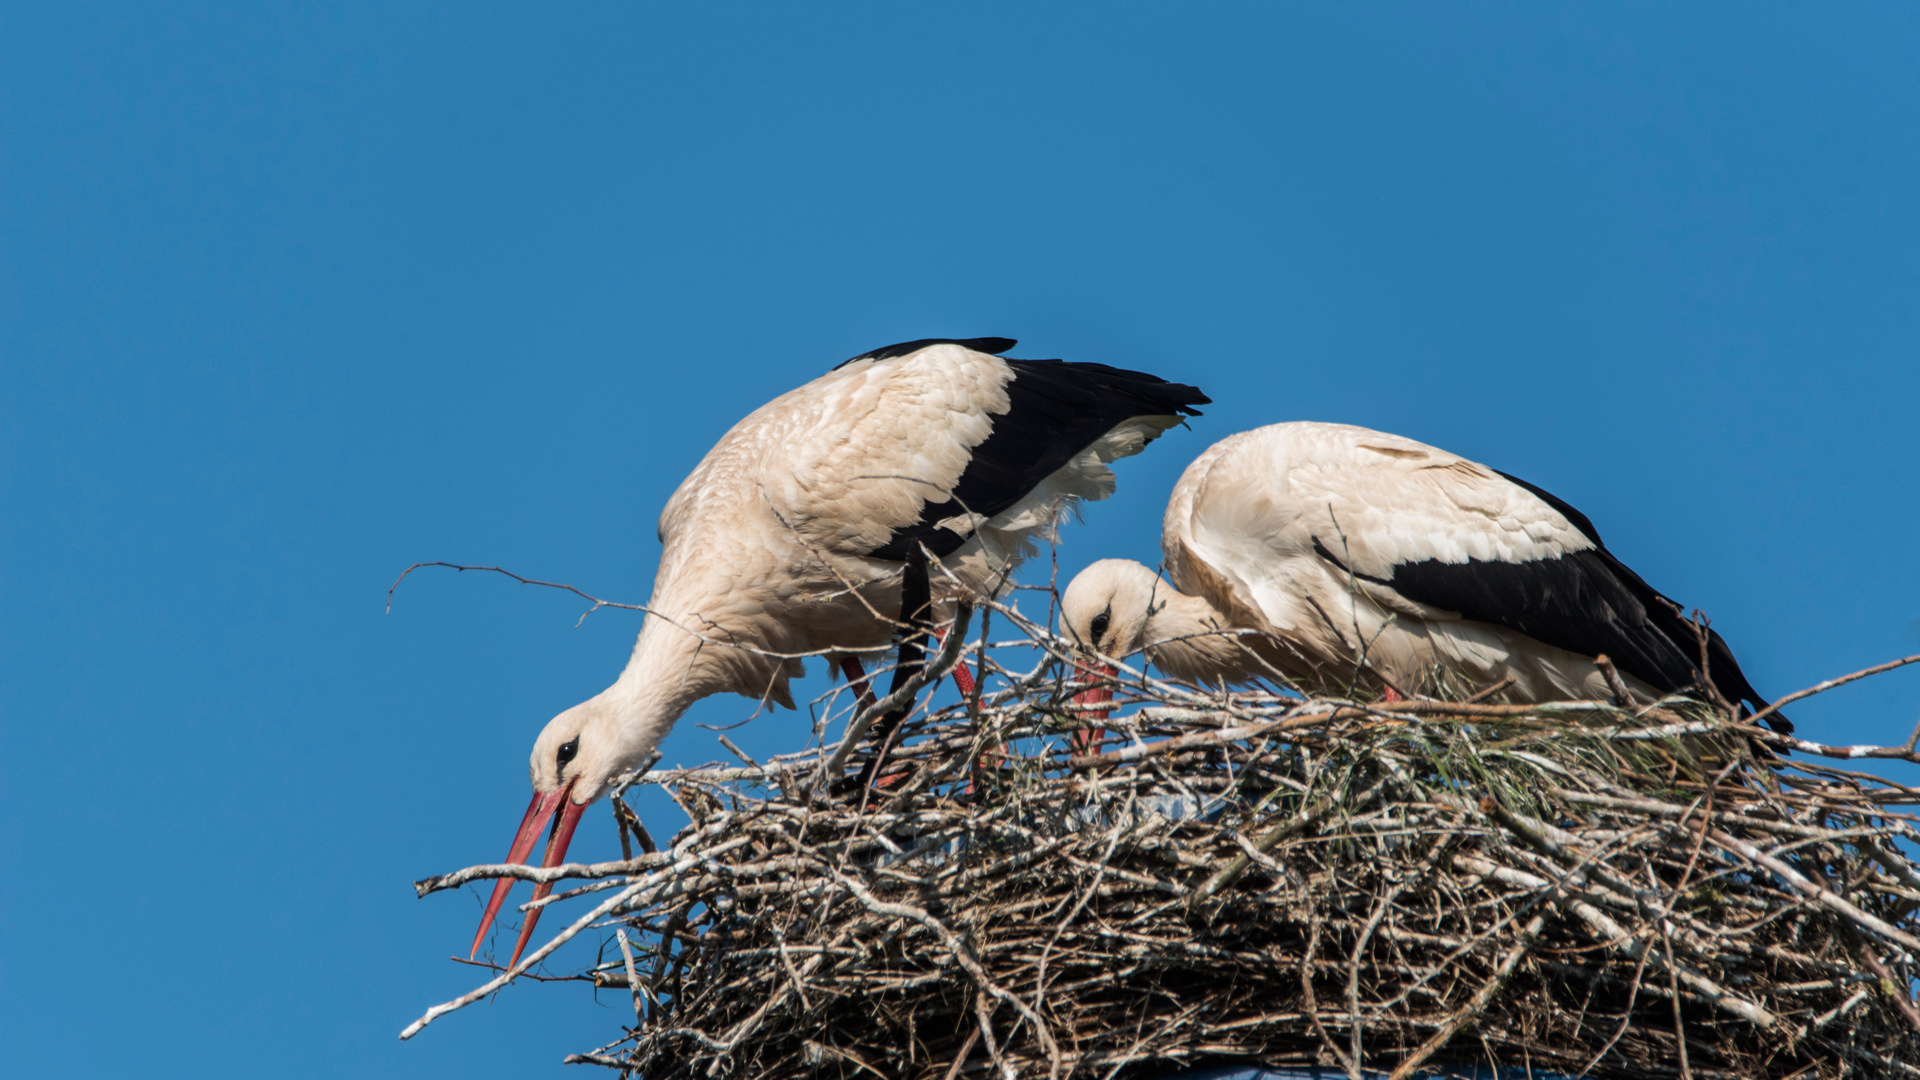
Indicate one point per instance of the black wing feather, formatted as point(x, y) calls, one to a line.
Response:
point(1057, 409)
point(992, 346)
point(1586, 602)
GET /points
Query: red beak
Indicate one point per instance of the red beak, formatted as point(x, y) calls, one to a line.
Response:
point(1085, 739)
point(538, 811)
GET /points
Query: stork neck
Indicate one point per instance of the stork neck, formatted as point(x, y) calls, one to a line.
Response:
point(1184, 639)
point(663, 678)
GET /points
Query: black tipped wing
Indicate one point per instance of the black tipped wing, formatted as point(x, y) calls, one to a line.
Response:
point(1057, 410)
point(992, 346)
point(1664, 615)
point(1587, 602)
point(1574, 517)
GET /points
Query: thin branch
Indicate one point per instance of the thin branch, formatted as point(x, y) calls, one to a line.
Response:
point(1823, 687)
point(510, 974)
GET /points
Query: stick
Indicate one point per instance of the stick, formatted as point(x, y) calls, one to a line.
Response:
point(905, 694)
point(508, 976)
point(1621, 695)
point(1818, 892)
point(633, 977)
point(1476, 1005)
point(1823, 687)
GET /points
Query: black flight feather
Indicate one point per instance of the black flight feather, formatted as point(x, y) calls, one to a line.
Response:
point(1586, 602)
point(992, 346)
point(1057, 409)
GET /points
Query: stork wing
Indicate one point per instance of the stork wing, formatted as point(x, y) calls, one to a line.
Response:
point(1056, 411)
point(1449, 534)
point(923, 442)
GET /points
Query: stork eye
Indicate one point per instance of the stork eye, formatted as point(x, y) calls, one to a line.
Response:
point(567, 750)
point(1100, 623)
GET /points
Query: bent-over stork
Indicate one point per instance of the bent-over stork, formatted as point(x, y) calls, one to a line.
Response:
point(803, 530)
point(1343, 557)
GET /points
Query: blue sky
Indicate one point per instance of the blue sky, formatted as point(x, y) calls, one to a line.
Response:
point(292, 298)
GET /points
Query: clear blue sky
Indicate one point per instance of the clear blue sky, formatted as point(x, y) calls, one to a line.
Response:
point(291, 299)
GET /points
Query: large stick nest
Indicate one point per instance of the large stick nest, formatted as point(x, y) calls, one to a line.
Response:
point(1579, 888)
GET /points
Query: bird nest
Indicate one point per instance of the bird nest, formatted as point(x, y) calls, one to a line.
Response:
point(1579, 888)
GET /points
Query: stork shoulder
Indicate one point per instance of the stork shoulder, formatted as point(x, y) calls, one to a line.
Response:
point(1049, 433)
point(1382, 500)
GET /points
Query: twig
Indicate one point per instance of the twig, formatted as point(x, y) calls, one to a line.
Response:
point(1621, 695)
point(1491, 691)
point(1475, 1005)
point(1895, 989)
point(1823, 687)
point(533, 958)
point(928, 674)
point(599, 603)
point(633, 977)
point(960, 1058)
point(739, 753)
point(1794, 878)
point(522, 872)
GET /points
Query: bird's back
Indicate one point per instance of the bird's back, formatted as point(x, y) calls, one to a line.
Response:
point(785, 510)
point(869, 450)
point(1361, 542)
point(1262, 510)
point(933, 443)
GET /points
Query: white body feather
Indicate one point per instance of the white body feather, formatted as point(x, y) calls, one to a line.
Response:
point(1251, 507)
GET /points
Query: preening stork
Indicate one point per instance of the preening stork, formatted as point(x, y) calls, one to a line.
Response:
point(802, 532)
point(1346, 557)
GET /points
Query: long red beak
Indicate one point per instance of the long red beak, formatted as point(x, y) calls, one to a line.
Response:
point(538, 811)
point(1086, 739)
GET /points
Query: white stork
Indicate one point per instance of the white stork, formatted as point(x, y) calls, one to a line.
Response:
point(802, 532)
point(1343, 557)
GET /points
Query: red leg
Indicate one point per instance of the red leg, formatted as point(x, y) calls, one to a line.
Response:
point(857, 678)
point(962, 678)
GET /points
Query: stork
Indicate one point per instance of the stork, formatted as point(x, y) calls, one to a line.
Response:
point(1339, 557)
point(808, 526)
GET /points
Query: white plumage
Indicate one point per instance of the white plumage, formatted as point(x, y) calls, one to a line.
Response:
point(795, 533)
point(1354, 558)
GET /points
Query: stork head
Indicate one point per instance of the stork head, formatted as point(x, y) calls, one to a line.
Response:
point(574, 760)
point(1107, 606)
point(577, 750)
point(1105, 611)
